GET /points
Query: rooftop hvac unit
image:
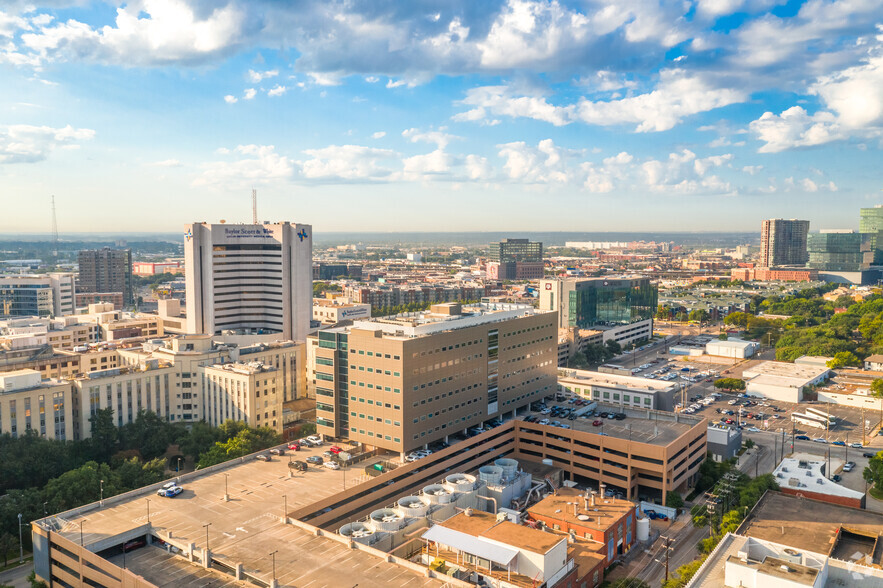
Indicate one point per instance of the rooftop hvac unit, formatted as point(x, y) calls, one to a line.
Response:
point(490, 475)
point(460, 482)
point(413, 506)
point(437, 494)
point(359, 532)
point(386, 519)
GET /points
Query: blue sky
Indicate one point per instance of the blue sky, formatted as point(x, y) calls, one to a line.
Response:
point(620, 115)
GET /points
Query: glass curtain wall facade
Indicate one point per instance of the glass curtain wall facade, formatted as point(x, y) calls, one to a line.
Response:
point(840, 252)
point(871, 226)
point(515, 250)
point(332, 388)
point(614, 303)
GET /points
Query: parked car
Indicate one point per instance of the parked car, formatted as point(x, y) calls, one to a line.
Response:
point(857, 445)
point(298, 465)
point(847, 467)
point(819, 440)
point(868, 454)
point(839, 443)
point(277, 451)
point(597, 423)
point(332, 465)
point(166, 486)
point(328, 454)
point(262, 457)
point(316, 441)
point(173, 491)
point(335, 449)
point(134, 544)
point(316, 459)
point(294, 446)
point(802, 437)
point(836, 478)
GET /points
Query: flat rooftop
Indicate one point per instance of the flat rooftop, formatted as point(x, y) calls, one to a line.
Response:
point(644, 426)
point(802, 474)
point(245, 529)
point(482, 524)
point(781, 369)
point(425, 323)
point(806, 524)
point(561, 507)
point(589, 378)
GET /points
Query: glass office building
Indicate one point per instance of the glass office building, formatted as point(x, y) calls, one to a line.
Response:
point(510, 250)
point(839, 251)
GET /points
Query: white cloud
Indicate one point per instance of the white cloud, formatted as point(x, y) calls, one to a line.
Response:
point(255, 164)
point(478, 168)
point(277, 90)
point(795, 128)
point(348, 162)
point(440, 138)
point(395, 83)
point(256, 77)
point(249, 93)
point(231, 99)
point(372, 79)
point(677, 95)
point(378, 135)
point(433, 163)
point(167, 163)
point(685, 173)
point(30, 144)
point(149, 32)
point(324, 78)
point(545, 163)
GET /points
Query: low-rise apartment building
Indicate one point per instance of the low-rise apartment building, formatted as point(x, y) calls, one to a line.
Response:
point(401, 382)
point(30, 403)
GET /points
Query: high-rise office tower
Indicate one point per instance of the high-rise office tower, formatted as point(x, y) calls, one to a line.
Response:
point(249, 278)
point(106, 270)
point(783, 242)
point(870, 224)
point(515, 259)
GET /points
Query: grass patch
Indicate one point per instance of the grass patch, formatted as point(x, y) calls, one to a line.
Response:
point(876, 493)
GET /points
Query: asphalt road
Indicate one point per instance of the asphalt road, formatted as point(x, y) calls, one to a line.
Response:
point(17, 577)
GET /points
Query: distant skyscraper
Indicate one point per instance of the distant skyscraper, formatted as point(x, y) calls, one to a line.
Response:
point(515, 259)
point(253, 278)
point(783, 242)
point(871, 225)
point(106, 270)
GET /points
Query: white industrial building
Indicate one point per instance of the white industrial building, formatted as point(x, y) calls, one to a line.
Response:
point(249, 279)
point(626, 391)
point(734, 348)
point(779, 380)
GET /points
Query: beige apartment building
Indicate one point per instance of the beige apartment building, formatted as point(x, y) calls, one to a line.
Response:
point(401, 382)
point(28, 402)
point(127, 390)
point(249, 392)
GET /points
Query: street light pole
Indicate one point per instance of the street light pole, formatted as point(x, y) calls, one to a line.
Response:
point(148, 510)
point(284, 509)
point(207, 525)
point(81, 531)
point(273, 555)
point(101, 493)
point(21, 548)
point(226, 493)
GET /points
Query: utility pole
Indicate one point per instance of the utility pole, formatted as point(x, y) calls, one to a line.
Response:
point(667, 549)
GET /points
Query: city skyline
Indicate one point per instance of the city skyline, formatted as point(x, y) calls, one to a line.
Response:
point(623, 116)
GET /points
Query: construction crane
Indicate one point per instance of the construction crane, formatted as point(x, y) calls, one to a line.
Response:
point(54, 234)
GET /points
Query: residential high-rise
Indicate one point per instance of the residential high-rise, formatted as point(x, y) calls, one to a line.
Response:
point(106, 270)
point(783, 242)
point(515, 259)
point(249, 279)
point(402, 382)
point(37, 295)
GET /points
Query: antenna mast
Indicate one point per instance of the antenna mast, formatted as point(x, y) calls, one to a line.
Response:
point(54, 233)
point(254, 206)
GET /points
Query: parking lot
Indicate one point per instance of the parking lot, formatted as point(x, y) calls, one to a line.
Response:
point(246, 528)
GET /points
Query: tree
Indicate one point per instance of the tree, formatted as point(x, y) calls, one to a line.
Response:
point(8, 543)
point(843, 359)
point(104, 434)
point(663, 313)
point(681, 316)
point(242, 443)
point(877, 388)
point(700, 315)
point(613, 347)
point(35, 583)
point(723, 336)
point(729, 384)
point(674, 500)
point(873, 474)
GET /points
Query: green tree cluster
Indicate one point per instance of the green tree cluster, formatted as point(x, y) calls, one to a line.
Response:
point(244, 441)
point(873, 473)
point(729, 384)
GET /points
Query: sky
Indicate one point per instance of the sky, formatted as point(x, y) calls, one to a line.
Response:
point(385, 115)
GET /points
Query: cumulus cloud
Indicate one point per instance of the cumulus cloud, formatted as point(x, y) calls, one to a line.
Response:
point(277, 90)
point(795, 128)
point(246, 165)
point(348, 162)
point(256, 77)
point(676, 96)
point(231, 99)
point(30, 144)
point(249, 93)
point(378, 135)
